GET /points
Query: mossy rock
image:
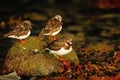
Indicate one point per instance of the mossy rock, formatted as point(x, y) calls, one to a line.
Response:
point(31, 44)
point(72, 57)
point(31, 59)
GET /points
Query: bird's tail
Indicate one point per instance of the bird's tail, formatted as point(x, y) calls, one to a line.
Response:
point(3, 35)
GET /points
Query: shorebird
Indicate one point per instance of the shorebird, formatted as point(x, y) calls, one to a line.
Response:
point(52, 27)
point(21, 31)
point(61, 47)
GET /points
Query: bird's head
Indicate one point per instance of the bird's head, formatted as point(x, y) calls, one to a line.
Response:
point(28, 24)
point(58, 17)
point(69, 40)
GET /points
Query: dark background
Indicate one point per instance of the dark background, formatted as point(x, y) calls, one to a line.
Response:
point(20, 6)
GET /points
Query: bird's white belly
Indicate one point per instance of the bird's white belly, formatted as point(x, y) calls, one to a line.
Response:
point(55, 33)
point(62, 51)
point(20, 37)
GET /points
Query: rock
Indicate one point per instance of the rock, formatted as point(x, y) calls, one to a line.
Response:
point(72, 57)
point(31, 59)
point(10, 76)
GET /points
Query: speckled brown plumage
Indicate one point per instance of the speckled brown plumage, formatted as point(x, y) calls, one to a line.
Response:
point(59, 43)
point(52, 25)
point(20, 29)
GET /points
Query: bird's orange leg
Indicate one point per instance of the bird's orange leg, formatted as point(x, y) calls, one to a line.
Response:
point(64, 62)
point(22, 41)
point(61, 58)
point(52, 37)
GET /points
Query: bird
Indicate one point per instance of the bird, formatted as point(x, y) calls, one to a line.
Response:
point(21, 31)
point(60, 47)
point(52, 27)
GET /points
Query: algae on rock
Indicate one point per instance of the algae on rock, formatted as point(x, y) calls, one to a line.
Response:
point(31, 58)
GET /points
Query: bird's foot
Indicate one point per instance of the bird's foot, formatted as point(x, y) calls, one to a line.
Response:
point(22, 41)
point(52, 38)
point(65, 63)
point(66, 66)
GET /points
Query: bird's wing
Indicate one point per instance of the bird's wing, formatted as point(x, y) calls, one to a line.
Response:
point(51, 26)
point(17, 31)
point(56, 25)
point(56, 45)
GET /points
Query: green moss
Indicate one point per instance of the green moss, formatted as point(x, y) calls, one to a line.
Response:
point(72, 57)
point(32, 44)
point(31, 58)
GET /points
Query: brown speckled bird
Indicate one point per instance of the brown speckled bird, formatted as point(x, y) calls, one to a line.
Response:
point(21, 31)
point(52, 27)
point(60, 47)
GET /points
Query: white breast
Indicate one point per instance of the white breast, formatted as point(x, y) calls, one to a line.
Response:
point(62, 51)
point(20, 37)
point(55, 33)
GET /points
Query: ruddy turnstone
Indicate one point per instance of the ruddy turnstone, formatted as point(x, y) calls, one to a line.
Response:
point(52, 27)
point(21, 31)
point(60, 47)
